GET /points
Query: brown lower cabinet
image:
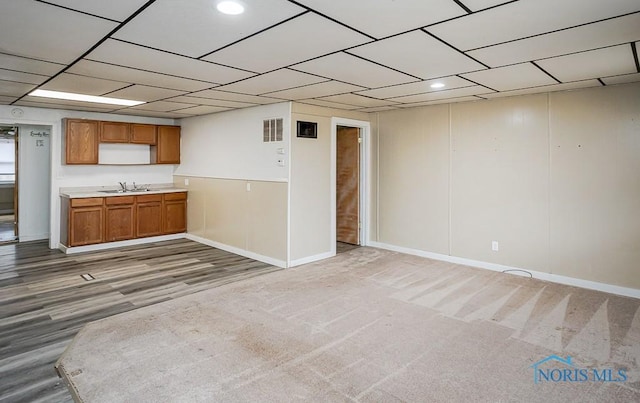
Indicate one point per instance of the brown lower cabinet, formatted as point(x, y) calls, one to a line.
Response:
point(149, 212)
point(118, 218)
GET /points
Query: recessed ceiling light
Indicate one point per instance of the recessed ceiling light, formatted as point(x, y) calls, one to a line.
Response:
point(437, 85)
point(85, 98)
point(230, 7)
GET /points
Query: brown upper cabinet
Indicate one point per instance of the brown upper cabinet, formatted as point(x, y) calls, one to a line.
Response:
point(81, 138)
point(114, 132)
point(167, 149)
point(143, 134)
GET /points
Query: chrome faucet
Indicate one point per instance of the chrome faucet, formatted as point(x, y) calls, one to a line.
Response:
point(123, 186)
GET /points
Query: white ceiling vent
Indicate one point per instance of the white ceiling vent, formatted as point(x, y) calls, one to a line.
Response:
point(272, 130)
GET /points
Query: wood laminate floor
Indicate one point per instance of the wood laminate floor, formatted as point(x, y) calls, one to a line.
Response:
point(44, 302)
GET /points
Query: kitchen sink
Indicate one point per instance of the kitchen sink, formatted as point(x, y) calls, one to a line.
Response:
point(112, 191)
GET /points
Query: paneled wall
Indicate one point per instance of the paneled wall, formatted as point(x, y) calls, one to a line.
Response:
point(248, 216)
point(553, 178)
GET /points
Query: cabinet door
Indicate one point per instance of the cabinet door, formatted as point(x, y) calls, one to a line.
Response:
point(86, 225)
point(143, 134)
point(167, 149)
point(81, 141)
point(114, 132)
point(119, 218)
point(148, 215)
point(175, 213)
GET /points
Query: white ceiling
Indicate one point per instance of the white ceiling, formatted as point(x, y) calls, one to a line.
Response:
point(184, 58)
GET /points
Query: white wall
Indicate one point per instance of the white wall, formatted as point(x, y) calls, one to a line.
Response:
point(88, 175)
point(238, 193)
point(34, 182)
point(229, 145)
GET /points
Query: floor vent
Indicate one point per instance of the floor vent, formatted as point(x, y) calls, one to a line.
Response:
point(272, 130)
point(87, 277)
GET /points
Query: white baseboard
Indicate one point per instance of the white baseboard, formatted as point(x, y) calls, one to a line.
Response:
point(238, 251)
point(576, 282)
point(311, 259)
point(29, 238)
point(118, 244)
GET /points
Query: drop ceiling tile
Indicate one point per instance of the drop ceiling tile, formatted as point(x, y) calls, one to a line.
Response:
point(418, 54)
point(152, 114)
point(46, 32)
point(454, 93)
point(315, 90)
point(27, 78)
point(275, 81)
point(440, 101)
point(161, 106)
point(386, 18)
point(627, 78)
point(597, 35)
point(144, 93)
point(118, 10)
point(378, 109)
point(525, 18)
point(190, 22)
point(511, 77)
point(125, 74)
point(210, 102)
point(604, 62)
point(12, 88)
point(546, 88)
point(202, 110)
point(357, 100)
point(419, 87)
point(29, 65)
point(66, 104)
point(83, 85)
point(292, 42)
point(476, 5)
point(4, 100)
point(354, 70)
point(232, 96)
point(328, 104)
point(129, 55)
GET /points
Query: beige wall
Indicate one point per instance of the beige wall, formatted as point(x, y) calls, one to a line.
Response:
point(552, 177)
point(223, 211)
point(311, 182)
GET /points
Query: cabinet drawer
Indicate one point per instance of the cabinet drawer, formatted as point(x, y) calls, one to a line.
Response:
point(109, 201)
point(86, 202)
point(175, 196)
point(149, 198)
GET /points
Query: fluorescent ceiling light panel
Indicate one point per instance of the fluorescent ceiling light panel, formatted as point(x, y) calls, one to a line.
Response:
point(230, 7)
point(437, 85)
point(84, 98)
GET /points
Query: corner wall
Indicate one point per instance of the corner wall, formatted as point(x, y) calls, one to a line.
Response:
point(552, 177)
point(311, 183)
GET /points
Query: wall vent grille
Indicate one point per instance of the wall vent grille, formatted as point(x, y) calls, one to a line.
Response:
point(272, 130)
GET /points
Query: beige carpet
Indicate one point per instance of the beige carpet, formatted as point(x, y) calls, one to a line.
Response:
point(367, 325)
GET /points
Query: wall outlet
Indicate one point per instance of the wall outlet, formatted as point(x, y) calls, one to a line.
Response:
point(186, 181)
point(280, 162)
point(248, 186)
point(494, 246)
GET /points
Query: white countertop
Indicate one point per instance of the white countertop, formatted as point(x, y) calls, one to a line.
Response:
point(99, 191)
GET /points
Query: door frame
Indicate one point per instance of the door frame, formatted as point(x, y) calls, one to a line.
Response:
point(365, 177)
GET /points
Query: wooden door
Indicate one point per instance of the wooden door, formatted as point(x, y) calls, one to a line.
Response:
point(167, 149)
point(143, 134)
point(148, 215)
point(86, 221)
point(114, 132)
point(175, 213)
point(348, 185)
point(119, 218)
point(81, 141)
